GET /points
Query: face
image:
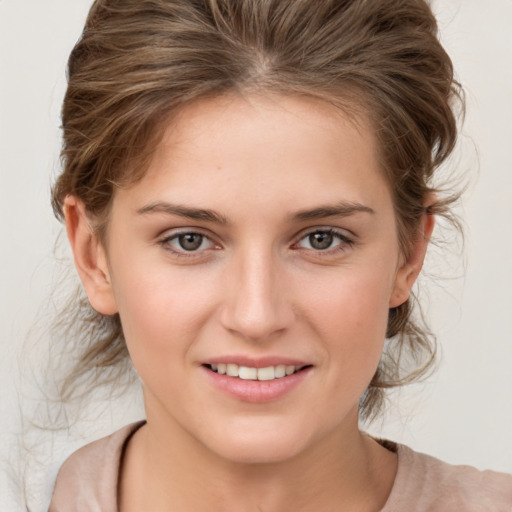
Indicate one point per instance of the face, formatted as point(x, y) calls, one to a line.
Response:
point(262, 243)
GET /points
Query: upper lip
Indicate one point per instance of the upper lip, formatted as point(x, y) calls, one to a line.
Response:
point(256, 362)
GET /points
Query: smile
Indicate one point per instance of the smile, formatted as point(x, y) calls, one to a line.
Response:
point(249, 373)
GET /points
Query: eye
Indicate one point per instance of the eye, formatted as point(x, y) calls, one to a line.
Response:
point(188, 242)
point(323, 240)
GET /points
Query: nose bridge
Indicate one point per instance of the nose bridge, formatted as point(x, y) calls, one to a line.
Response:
point(258, 306)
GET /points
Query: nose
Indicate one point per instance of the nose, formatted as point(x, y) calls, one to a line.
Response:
point(258, 306)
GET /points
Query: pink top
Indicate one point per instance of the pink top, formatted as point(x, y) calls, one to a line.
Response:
point(87, 482)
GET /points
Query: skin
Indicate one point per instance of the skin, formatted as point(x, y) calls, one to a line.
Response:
point(255, 287)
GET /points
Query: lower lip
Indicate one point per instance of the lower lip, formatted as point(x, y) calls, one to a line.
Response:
point(257, 391)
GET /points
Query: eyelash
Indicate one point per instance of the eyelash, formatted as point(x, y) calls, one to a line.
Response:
point(344, 242)
point(183, 253)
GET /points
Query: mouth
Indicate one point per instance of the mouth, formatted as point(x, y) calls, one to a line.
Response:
point(259, 374)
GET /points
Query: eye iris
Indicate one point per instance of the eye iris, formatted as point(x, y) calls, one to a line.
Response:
point(320, 241)
point(190, 241)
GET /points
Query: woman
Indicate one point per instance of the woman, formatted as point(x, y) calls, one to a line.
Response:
point(248, 194)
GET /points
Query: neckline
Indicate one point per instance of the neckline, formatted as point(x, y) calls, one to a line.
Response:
point(402, 452)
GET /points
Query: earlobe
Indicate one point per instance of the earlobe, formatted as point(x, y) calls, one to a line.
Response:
point(409, 271)
point(89, 256)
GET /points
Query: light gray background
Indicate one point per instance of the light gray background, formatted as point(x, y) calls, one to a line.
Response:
point(463, 414)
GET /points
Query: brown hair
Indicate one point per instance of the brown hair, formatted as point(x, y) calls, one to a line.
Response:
point(139, 61)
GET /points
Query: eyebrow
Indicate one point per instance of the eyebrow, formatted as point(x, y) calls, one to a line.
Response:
point(183, 211)
point(342, 209)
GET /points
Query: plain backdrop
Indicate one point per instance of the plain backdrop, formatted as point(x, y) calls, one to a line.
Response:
point(463, 414)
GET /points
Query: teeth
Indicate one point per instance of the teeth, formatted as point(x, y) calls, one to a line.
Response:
point(266, 373)
point(248, 373)
point(280, 371)
point(232, 370)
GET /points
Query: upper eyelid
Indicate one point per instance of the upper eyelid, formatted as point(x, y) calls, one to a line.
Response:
point(343, 233)
point(167, 236)
point(182, 254)
point(344, 242)
point(172, 233)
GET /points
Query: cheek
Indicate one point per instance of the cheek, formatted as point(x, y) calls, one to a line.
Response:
point(351, 317)
point(353, 301)
point(162, 312)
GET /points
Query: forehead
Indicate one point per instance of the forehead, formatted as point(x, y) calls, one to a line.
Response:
point(274, 148)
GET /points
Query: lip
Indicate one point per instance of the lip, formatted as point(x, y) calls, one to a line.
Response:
point(256, 391)
point(256, 362)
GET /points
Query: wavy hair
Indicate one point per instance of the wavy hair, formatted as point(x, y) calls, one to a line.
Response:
point(138, 62)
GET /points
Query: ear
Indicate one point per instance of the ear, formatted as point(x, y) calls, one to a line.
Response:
point(90, 257)
point(410, 269)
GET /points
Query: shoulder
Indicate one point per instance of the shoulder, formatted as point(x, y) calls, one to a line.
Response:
point(87, 481)
point(424, 483)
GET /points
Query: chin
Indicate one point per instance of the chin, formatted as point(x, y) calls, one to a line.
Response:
point(259, 443)
point(262, 452)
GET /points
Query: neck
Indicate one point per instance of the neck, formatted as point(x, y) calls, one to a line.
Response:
point(344, 470)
